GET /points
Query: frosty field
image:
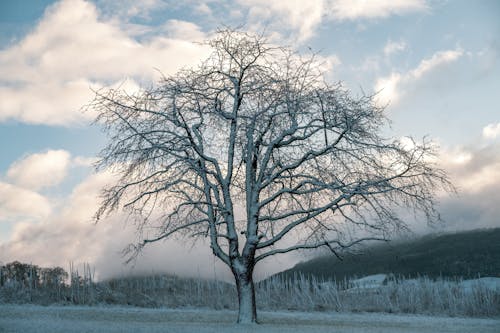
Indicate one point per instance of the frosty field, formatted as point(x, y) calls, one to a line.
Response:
point(54, 319)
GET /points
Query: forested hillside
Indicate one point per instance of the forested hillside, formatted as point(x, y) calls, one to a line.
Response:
point(459, 255)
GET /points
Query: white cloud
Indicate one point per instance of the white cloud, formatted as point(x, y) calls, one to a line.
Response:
point(46, 77)
point(481, 178)
point(475, 171)
point(393, 47)
point(356, 9)
point(183, 30)
point(304, 17)
point(472, 168)
point(53, 102)
point(438, 59)
point(387, 89)
point(491, 131)
point(459, 157)
point(394, 86)
point(40, 170)
point(81, 161)
point(19, 203)
point(66, 235)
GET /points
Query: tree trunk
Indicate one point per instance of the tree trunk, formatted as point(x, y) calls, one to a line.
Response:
point(247, 310)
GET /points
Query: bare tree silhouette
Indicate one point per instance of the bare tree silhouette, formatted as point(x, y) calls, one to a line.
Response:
point(256, 126)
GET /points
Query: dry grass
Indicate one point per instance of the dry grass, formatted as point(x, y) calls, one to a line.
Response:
point(301, 293)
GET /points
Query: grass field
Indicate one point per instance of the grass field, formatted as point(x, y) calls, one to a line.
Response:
point(54, 319)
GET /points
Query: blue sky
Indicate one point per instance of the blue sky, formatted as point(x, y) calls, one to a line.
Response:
point(435, 63)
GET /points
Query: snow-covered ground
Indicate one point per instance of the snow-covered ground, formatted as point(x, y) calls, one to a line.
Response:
point(491, 283)
point(370, 282)
point(53, 319)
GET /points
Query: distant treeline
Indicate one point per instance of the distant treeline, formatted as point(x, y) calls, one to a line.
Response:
point(33, 276)
point(28, 283)
point(463, 255)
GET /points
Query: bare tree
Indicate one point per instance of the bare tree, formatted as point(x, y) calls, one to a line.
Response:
point(255, 131)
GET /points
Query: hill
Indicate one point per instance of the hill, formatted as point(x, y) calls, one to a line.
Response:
point(459, 255)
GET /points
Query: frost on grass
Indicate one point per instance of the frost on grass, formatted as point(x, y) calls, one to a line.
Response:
point(380, 293)
point(54, 319)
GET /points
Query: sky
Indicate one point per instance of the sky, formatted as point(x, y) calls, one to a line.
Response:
point(434, 63)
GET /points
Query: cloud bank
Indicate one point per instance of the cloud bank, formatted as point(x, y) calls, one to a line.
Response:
point(303, 18)
point(56, 237)
point(48, 75)
point(19, 204)
point(49, 231)
point(475, 170)
point(76, 47)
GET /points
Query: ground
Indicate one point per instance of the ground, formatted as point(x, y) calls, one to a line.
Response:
point(54, 319)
